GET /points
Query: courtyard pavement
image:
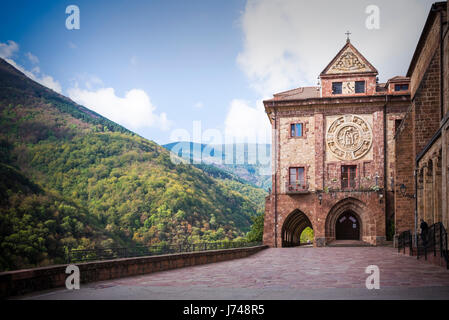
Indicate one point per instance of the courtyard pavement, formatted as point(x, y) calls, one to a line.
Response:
point(279, 274)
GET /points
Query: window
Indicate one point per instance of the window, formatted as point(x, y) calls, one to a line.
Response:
point(397, 123)
point(348, 177)
point(360, 87)
point(296, 130)
point(337, 87)
point(297, 176)
point(400, 87)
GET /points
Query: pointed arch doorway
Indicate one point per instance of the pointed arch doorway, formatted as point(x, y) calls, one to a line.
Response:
point(347, 226)
point(358, 224)
point(292, 228)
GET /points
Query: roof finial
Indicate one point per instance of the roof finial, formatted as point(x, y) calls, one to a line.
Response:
point(347, 36)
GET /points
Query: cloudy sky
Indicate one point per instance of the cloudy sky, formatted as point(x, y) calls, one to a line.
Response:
point(159, 67)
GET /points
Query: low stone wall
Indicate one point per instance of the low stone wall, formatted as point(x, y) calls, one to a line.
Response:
point(36, 279)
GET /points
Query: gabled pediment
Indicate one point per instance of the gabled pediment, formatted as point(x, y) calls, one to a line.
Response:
point(348, 60)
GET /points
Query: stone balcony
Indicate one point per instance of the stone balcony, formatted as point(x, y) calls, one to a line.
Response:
point(296, 188)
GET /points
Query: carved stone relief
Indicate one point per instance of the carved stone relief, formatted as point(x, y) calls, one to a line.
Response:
point(349, 137)
point(348, 62)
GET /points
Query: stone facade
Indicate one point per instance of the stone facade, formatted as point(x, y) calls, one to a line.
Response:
point(342, 128)
point(422, 139)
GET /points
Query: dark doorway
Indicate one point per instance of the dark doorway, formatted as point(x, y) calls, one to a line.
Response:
point(348, 227)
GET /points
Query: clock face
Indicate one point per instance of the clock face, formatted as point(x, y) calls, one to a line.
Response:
point(348, 87)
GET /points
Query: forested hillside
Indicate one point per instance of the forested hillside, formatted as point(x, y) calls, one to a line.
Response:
point(250, 162)
point(71, 178)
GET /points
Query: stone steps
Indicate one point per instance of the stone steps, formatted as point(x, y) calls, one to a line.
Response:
point(349, 243)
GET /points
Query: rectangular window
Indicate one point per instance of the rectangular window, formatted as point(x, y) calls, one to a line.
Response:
point(296, 129)
point(348, 177)
point(336, 87)
point(297, 176)
point(360, 87)
point(400, 87)
point(397, 123)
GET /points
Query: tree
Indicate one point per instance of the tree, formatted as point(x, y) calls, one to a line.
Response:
point(256, 232)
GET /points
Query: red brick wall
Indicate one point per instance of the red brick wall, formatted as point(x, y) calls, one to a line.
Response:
point(325, 171)
point(372, 215)
point(446, 67)
point(422, 120)
point(445, 133)
point(419, 126)
point(427, 52)
point(426, 104)
point(404, 207)
point(370, 85)
point(268, 230)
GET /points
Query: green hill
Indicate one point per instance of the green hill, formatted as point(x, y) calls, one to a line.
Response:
point(71, 178)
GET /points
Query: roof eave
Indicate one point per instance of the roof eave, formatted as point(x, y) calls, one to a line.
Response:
point(436, 7)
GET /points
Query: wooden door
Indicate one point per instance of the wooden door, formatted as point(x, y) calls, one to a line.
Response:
point(348, 227)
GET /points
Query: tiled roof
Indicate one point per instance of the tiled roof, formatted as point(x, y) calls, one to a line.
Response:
point(381, 87)
point(298, 94)
point(398, 78)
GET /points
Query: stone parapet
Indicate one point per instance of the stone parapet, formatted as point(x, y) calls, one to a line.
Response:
point(28, 280)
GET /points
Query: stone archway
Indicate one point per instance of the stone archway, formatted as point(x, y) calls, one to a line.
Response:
point(292, 228)
point(348, 226)
point(351, 207)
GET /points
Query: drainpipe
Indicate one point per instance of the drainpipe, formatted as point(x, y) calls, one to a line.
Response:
point(443, 34)
point(276, 151)
point(415, 173)
point(385, 163)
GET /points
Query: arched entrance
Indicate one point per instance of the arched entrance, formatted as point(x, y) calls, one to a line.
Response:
point(292, 228)
point(350, 219)
point(347, 226)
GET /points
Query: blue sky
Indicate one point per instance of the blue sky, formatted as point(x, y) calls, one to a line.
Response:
point(158, 66)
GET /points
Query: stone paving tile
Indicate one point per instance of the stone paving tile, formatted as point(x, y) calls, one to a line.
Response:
point(301, 268)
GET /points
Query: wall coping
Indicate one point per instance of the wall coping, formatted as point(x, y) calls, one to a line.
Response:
point(41, 278)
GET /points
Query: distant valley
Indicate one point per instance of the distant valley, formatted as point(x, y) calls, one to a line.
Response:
point(249, 162)
point(72, 179)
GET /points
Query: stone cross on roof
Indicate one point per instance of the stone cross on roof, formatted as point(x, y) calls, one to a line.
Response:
point(347, 36)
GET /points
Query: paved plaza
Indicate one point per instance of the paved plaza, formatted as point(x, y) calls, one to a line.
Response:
point(287, 273)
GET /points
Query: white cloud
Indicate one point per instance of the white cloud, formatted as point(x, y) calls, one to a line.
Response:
point(35, 75)
point(49, 82)
point(32, 58)
point(246, 123)
point(72, 45)
point(9, 49)
point(134, 110)
point(287, 43)
point(36, 69)
point(134, 60)
point(199, 105)
point(89, 81)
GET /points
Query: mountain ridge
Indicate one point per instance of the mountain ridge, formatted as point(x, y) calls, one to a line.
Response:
point(98, 184)
point(251, 162)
